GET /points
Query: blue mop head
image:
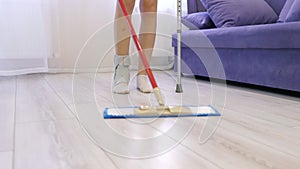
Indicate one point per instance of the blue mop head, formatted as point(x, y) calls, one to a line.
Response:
point(159, 112)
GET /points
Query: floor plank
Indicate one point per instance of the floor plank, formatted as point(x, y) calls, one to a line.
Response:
point(235, 149)
point(290, 111)
point(177, 158)
point(262, 154)
point(120, 137)
point(257, 129)
point(103, 91)
point(6, 160)
point(36, 101)
point(267, 96)
point(267, 109)
point(211, 149)
point(255, 114)
point(7, 112)
point(55, 145)
point(78, 88)
point(264, 132)
point(62, 84)
point(134, 138)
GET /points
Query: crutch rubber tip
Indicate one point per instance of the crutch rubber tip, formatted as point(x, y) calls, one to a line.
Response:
point(179, 88)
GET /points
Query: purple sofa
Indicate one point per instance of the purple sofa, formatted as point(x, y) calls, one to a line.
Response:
point(264, 55)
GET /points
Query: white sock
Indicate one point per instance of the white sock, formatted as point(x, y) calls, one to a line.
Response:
point(143, 84)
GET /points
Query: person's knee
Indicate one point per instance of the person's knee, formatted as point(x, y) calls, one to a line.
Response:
point(149, 5)
point(129, 5)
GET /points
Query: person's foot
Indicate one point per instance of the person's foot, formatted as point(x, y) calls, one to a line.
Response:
point(143, 84)
point(121, 75)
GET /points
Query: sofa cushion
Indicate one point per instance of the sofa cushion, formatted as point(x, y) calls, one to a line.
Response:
point(266, 36)
point(276, 5)
point(199, 20)
point(228, 13)
point(195, 6)
point(294, 13)
point(285, 10)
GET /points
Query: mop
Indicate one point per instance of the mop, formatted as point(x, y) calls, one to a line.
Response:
point(161, 110)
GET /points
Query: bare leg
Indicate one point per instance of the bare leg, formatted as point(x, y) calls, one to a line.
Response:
point(147, 39)
point(122, 33)
point(122, 40)
point(147, 34)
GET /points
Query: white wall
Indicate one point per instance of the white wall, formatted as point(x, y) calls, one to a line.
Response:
point(24, 37)
point(73, 22)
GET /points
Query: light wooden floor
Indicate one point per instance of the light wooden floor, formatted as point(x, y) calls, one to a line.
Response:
point(40, 129)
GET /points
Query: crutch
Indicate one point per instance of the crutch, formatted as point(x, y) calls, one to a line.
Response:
point(179, 30)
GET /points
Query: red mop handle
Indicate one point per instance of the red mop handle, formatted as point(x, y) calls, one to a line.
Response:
point(138, 45)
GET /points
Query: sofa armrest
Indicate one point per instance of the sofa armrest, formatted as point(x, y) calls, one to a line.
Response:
point(277, 35)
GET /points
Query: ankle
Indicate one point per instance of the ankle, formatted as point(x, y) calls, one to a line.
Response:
point(142, 72)
point(123, 60)
point(143, 84)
